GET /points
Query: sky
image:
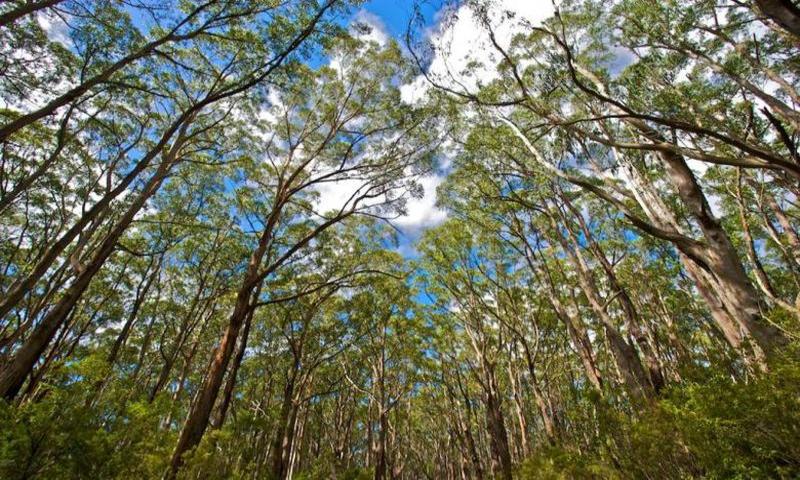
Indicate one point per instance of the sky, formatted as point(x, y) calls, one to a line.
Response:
point(458, 39)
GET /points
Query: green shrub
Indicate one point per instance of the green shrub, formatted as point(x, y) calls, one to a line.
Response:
point(714, 428)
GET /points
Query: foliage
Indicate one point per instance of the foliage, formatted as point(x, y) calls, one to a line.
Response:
point(706, 428)
point(205, 271)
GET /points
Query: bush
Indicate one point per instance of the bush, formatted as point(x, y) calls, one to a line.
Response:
point(65, 435)
point(712, 428)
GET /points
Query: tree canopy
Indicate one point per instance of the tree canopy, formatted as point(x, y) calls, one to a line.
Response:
point(205, 271)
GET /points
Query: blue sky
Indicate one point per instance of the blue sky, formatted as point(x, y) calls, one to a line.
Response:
point(460, 41)
point(456, 44)
point(395, 14)
point(391, 17)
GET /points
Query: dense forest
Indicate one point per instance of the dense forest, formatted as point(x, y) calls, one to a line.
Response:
point(208, 271)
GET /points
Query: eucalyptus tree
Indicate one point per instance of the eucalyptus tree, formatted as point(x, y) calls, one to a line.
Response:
point(610, 123)
point(343, 126)
point(308, 349)
point(392, 353)
point(312, 340)
point(198, 85)
point(314, 325)
point(108, 43)
point(464, 278)
point(201, 280)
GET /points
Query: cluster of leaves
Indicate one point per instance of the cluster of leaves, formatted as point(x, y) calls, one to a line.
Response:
point(710, 427)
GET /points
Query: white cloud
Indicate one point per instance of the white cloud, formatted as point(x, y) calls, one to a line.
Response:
point(270, 112)
point(55, 28)
point(461, 41)
point(413, 92)
point(377, 29)
point(336, 195)
point(374, 30)
point(423, 212)
point(420, 213)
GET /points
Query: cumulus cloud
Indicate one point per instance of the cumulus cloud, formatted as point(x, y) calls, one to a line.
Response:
point(463, 56)
point(460, 42)
point(420, 213)
point(336, 195)
point(423, 212)
point(365, 26)
point(376, 30)
point(55, 28)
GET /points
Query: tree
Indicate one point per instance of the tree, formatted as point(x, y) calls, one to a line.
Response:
point(218, 260)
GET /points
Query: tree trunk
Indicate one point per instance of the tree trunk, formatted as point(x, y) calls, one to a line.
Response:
point(197, 420)
point(141, 295)
point(522, 424)
point(737, 294)
point(20, 365)
point(469, 437)
point(283, 433)
point(380, 451)
point(501, 456)
point(574, 325)
point(26, 182)
point(633, 322)
point(185, 331)
point(237, 362)
point(784, 13)
point(26, 9)
point(625, 356)
point(740, 298)
point(539, 397)
point(21, 286)
point(707, 285)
